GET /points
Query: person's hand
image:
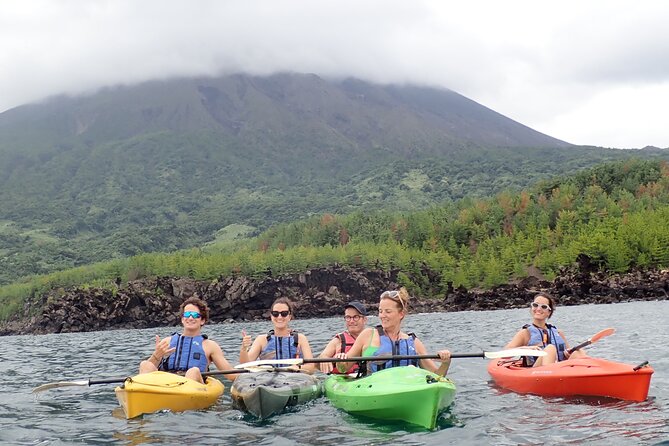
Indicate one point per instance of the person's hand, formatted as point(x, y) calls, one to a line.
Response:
point(325, 367)
point(340, 365)
point(162, 348)
point(444, 355)
point(246, 341)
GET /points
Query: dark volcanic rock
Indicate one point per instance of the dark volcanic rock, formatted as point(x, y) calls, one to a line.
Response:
point(320, 292)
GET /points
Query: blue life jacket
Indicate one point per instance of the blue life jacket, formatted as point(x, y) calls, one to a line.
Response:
point(390, 347)
point(281, 347)
point(545, 338)
point(189, 353)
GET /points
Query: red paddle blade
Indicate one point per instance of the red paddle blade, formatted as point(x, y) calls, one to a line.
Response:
point(602, 334)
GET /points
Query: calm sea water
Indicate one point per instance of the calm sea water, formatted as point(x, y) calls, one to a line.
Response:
point(481, 414)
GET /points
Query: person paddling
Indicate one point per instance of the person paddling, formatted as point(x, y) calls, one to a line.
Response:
point(541, 335)
point(279, 343)
point(190, 352)
point(355, 317)
point(389, 339)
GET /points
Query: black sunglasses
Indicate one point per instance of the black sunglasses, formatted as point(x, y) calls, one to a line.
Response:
point(283, 313)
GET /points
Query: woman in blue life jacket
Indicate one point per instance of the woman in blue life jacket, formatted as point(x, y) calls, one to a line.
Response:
point(190, 352)
point(279, 343)
point(355, 317)
point(389, 339)
point(541, 335)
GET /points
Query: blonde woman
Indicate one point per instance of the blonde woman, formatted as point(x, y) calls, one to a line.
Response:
point(389, 339)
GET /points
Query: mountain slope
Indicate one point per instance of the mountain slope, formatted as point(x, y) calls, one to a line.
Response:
point(280, 109)
point(166, 164)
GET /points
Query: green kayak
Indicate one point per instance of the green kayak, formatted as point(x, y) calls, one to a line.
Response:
point(409, 394)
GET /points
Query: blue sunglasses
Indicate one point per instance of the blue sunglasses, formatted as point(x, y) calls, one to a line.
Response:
point(193, 314)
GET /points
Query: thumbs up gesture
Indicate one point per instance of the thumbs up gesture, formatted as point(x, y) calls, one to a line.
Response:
point(246, 341)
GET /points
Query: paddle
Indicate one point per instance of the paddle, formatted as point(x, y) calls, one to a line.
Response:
point(490, 355)
point(602, 334)
point(90, 382)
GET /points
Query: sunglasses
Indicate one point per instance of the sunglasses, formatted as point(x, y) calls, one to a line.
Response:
point(193, 314)
point(355, 318)
point(391, 294)
point(395, 296)
point(283, 313)
point(542, 306)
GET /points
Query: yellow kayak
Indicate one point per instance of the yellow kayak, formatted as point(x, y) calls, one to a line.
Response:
point(151, 392)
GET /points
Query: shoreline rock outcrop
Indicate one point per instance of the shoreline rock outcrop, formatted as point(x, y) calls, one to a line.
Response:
point(320, 292)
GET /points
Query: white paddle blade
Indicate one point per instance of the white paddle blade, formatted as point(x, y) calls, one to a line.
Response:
point(259, 368)
point(55, 385)
point(270, 362)
point(510, 353)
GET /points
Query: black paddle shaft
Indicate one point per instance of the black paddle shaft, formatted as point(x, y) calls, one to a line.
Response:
point(390, 357)
point(106, 381)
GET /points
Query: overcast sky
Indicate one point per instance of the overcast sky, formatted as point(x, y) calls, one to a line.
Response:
point(590, 72)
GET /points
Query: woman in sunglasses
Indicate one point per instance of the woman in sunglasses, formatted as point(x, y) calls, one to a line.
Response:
point(541, 335)
point(281, 342)
point(389, 339)
point(355, 317)
point(190, 352)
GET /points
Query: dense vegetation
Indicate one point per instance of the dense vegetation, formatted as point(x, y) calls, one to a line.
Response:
point(119, 205)
point(617, 213)
point(167, 165)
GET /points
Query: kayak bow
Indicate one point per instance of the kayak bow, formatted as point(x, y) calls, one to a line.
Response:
point(151, 392)
point(581, 376)
point(407, 393)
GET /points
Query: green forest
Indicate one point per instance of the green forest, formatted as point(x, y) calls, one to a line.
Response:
point(616, 213)
point(166, 166)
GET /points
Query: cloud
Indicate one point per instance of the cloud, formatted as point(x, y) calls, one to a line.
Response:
point(543, 64)
point(619, 108)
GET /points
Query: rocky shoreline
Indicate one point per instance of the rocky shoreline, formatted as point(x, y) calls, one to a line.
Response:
point(320, 292)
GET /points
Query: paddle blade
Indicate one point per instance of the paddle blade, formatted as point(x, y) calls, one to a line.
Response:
point(269, 362)
point(514, 352)
point(602, 334)
point(43, 387)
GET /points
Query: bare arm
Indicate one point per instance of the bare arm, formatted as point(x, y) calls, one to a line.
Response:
point(218, 358)
point(306, 351)
point(429, 364)
point(254, 352)
point(519, 340)
point(161, 350)
point(577, 354)
point(330, 349)
point(328, 352)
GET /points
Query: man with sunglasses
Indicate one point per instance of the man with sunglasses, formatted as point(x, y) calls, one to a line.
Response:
point(190, 352)
point(541, 335)
point(355, 317)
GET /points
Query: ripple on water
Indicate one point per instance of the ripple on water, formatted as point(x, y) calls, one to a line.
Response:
point(481, 414)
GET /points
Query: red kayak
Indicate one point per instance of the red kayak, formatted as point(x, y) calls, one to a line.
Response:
point(582, 376)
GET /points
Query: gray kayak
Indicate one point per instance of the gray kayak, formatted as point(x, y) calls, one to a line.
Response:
point(266, 393)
